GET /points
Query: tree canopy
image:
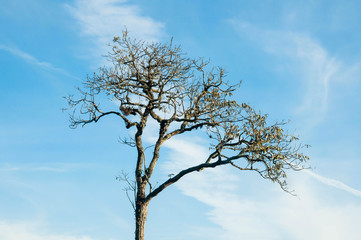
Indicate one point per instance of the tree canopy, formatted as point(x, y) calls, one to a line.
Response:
point(159, 82)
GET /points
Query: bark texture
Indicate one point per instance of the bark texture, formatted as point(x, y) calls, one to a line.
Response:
point(140, 219)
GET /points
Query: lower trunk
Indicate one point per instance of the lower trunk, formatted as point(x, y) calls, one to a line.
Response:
point(140, 218)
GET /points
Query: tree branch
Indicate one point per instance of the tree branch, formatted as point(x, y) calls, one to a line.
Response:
point(182, 173)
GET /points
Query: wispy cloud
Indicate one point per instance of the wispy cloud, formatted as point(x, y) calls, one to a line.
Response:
point(31, 169)
point(55, 167)
point(315, 62)
point(30, 231)
point(309, 62)
point(334, 183)
point(32, 60)
point(101, 20)
point(279, 215)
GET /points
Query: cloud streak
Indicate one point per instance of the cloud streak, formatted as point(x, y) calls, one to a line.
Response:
point(32, 169)
point(34, 61)
point(307, 59)
point(334, 183)
point(56, 167)
point(28, 231)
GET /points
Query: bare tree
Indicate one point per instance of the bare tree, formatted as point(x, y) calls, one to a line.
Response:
point(158, 82)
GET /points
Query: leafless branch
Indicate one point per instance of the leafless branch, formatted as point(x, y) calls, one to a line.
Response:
point(131, 186)
point(158, 82)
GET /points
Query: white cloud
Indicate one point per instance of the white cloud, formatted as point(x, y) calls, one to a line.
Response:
point(32, 60)
point(28, 58)
point(31, 169)
point(30, 231)
point(54, 167)
point(318, 67)
point(104, 19)
point(273, 214)
point(308, 61)
point(334, 183)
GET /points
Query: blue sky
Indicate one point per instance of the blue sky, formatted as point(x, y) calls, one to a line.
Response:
point(298, 60)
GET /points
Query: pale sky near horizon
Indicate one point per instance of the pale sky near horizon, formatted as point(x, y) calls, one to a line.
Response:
point(298, 60)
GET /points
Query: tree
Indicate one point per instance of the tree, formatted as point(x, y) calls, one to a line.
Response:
point(158, 82)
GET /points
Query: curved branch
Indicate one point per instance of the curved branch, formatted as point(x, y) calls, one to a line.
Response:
point(182, 173)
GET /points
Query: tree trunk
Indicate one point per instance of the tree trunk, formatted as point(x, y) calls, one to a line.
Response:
point(141, 211)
